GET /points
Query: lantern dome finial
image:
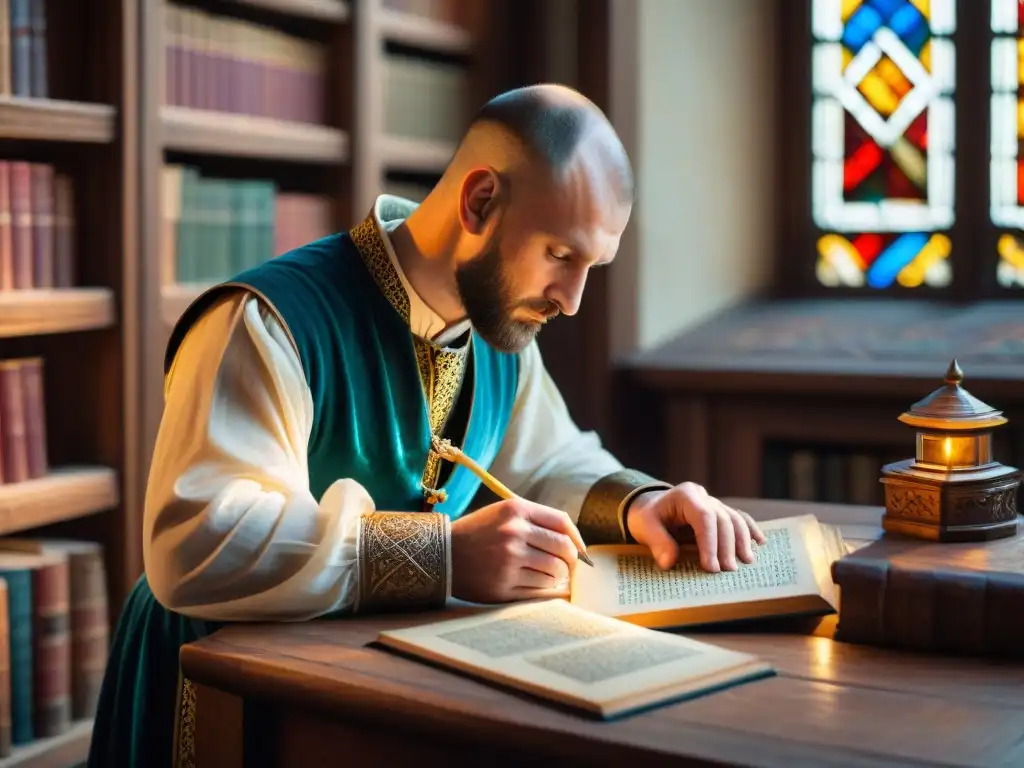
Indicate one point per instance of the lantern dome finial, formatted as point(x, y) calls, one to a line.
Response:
point(954, 374)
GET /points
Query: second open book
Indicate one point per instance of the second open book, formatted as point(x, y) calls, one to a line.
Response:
point(609, 666)
point(790, 576)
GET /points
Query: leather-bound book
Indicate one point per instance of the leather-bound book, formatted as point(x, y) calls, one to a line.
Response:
point(6, 744)
point(17, 571)
point(957, 598)
point(42, 225)
point(6, 227)
point(90, 629)
point(21, 224)
point(51, 646)
point(64, 267)
point(31, 369)
point(12, 423)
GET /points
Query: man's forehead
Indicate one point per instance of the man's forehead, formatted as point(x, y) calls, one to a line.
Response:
point(565, 208)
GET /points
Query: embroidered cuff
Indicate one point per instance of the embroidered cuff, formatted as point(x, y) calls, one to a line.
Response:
point(603, 515)
point(404, 561)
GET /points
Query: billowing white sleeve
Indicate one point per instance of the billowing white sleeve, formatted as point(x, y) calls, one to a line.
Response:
point(545, 457)
point(231, 530)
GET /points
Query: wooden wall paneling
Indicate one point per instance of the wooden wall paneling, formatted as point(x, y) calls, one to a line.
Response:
point(152, 327)
point(686, 450)
point(123, 536)
point(367, 163)
point(742, 427)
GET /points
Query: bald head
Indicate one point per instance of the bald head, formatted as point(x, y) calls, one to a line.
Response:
point(537, 195)
point(546, 127)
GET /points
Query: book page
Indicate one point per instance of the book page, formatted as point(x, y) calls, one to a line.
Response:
point(558, 647)
point(626, 579)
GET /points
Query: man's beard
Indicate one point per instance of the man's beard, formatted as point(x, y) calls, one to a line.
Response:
point(489, 304)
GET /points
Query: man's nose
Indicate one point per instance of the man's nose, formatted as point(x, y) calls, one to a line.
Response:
point(568, 293)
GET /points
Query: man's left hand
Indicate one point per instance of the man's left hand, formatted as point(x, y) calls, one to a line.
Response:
point(723, 534)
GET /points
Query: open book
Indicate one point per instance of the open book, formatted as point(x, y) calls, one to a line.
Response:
point(592, 663)
point(790, 576)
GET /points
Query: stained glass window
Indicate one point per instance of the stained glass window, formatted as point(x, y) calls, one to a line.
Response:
point(883, 75)
point(1007, 167)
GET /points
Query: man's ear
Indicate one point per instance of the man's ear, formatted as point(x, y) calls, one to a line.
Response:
point(478, 202)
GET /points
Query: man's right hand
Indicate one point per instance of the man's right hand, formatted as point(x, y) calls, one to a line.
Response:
point(513, 550)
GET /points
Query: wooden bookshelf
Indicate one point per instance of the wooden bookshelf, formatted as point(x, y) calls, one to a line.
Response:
point(320, 10)
point(415, 155)
point(69, 749)
point(82, 131)
point(206, 132)
point(56, 120)
point(65, 494)
point(174, 300)
point(347, 157)
point(416, 31)
point(31, 313)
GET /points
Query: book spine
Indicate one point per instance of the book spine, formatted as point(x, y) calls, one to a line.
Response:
point(21, 48)
point(908, 618)
point(90, 631)
point(6, 743)
point(171, 54)
point(959, 611)
point(35, 415)
point(169, 273)
point(861, 600)
point(39, 81)
point(19, 622)
point(42, 225)
point(5, 48)
point(64, 267)
point(1004, 615)
point(191, 75)
point(6, 226)
point(52, 648)
point(962, 612)
point(12, 420)
point(21, 224)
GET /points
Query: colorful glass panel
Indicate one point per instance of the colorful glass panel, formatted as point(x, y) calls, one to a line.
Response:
point(1006, 177)
point(882, 129)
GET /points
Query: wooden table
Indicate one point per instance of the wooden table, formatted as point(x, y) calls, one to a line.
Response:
point(316, 694)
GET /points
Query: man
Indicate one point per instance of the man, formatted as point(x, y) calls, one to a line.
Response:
point(292, 476)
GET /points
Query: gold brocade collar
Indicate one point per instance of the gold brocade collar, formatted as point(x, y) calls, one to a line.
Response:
point(371, 239)
point(370, 243)
point(441, 369)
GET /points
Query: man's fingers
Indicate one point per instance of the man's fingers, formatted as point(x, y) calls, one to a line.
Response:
point(705, 531)
point(755, 530)
point(555, 520)
point(663, 545)
point(540, 593)
point(553, 543)
point(551, 567)
point(726, 541)
point(744, 547)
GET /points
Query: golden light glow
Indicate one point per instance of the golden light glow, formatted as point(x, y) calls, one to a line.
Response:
point(954, 451)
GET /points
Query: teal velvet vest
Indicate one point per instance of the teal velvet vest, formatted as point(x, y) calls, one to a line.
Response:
point(371, 421)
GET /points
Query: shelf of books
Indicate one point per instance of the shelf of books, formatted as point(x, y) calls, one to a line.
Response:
point(427, 71)
point(279, 106)
point(252, 82)
point(66, 556)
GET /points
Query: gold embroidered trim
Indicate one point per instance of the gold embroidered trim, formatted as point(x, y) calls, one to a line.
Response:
point(602, 518)
point(404, 561)
point(185, 725)
point(441, 370)
point(367, 239)
point(445, 372)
